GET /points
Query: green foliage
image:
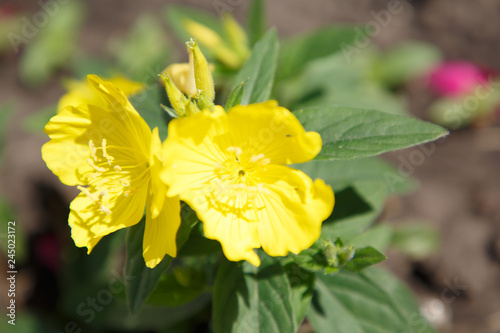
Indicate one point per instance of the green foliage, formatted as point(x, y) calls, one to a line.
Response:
point(371, 301)
point(416, 240)
point(144, 52)
point(149, 104)
point(379, 237)
point(259, 70)
point(54, 44)
point(235, 96)
point(302, 284)
point(349, 133)
point(256, 22)
point(338, 80)
point(181, 285)
point(358, 117)
point(403, 62)
point(143, 279)
point(250, 299)
point(329, 257)
point(302, 50)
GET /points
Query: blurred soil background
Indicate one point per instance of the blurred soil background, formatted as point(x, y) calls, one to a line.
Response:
point(459, 176)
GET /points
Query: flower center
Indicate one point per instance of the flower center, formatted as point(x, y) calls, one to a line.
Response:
point(109, 179)
point(235, 182)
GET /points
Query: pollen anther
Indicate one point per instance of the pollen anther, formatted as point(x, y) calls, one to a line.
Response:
point(236, 150)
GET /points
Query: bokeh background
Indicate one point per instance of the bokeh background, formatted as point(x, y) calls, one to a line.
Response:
point(458, 286)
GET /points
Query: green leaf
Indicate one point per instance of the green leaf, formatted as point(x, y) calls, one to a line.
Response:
point(328, 257)
point(361, 187)
point(144, 279)
point(369, 302)
point(259, 70)
point(298, 52)
point(416, 240)
point(342, 174)
point(350, 217)
point(364, 258)
point(251, 299)
point(405, 61)
point(336, 80)
point(256, 21)
point(181, 285)
point(379, 237)
point(302, 284)
point(149, 105)
point(198, 245)
point(235, 96)
point(350, 133)
point(325, 256)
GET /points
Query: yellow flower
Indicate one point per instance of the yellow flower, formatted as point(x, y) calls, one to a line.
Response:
point(114, 159)
point(229, 169)
point(80, 92)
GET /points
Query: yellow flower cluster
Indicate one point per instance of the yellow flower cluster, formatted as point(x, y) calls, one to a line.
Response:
point(230, 167)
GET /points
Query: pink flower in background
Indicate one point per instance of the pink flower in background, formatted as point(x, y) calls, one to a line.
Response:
point(456, 78)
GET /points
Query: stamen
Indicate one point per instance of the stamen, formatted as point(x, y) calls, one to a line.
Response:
point(236, 150)
point(88, 194)
point(105, 209)
point(117, 168)
point(255, 158)
point(93, 150)
point(124, 182)
point(265, 161)
point(99, 169)
point(109, 158)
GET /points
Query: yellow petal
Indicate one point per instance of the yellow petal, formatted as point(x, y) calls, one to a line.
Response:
point(182, 77)
point(160, 233)
point(266, 128)
point(121, 109)
point(293, 209)
point(238, 236)
point(89, 223)
point(71, 131)
point(223, 168)
point(192, 150)
point(80, 92)
point(158, 188)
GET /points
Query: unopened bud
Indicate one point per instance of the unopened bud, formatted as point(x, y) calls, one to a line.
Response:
point(202, 74)
point(204, 102)
point(182, 77)
point(179, 102)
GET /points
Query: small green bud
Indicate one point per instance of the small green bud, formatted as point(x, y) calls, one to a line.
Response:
point(179, 102)
point(202, 74)
point(203, 102)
